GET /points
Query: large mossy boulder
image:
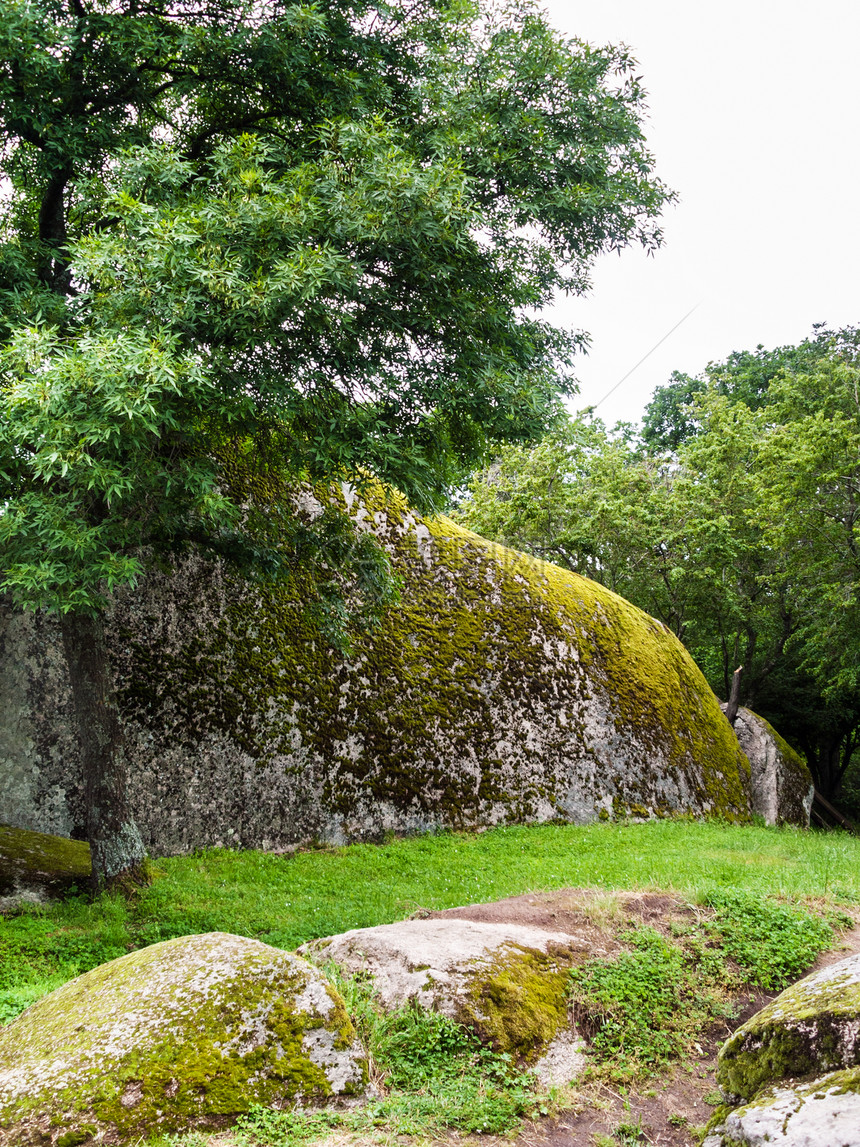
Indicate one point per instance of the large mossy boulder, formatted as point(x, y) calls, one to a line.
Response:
point(186, 1033)
point(780, 783)
point(502, 689)
point(36, 867)
point(811, 1028)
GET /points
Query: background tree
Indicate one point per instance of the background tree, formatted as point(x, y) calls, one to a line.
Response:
point(310, 238)
point(745, 377)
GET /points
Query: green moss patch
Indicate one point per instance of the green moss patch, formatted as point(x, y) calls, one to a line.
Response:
point(38, 865)
point(186, 1033)
point(518, 1002)
point(811, 1028)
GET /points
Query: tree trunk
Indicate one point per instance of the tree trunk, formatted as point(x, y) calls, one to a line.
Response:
point(116, 848)
point(735, 697)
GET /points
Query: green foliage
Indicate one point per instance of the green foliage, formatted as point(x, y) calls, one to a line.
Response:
point(319, 233)
point(772, 943)
point(645, 1006)
point(415, 1046)
point(671, 418)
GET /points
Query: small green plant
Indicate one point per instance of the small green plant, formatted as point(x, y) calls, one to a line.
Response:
point(676, 1120)
point(629, 1134)
point(772, 943)
point(642, 1007)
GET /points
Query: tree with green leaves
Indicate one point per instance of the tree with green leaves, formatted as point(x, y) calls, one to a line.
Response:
point(313, 237)
point(745, 377)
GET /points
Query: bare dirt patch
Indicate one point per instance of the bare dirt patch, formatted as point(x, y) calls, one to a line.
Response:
point(587, 912)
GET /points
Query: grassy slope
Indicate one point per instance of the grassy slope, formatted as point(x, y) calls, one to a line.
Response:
point(288, 899)
point(285, 900)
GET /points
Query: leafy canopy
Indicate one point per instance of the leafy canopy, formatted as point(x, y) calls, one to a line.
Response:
point(311, 239)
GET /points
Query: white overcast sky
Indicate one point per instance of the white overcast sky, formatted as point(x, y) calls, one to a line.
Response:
point(753, 122)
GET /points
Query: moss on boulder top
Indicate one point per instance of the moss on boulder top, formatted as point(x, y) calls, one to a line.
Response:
point(502, 689)
point(35, 866)
point(813, 1027)
point(185, 1033)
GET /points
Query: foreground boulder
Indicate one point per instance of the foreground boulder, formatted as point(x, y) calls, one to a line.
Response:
point(821, 1113)
point(185, 1033)
point(505, 981)
point(36, 867)
point(794, 1068)
point(811, 1028)
point(781, 784)
point(502, 689)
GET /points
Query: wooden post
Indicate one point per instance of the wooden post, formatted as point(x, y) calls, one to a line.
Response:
point(735, 698)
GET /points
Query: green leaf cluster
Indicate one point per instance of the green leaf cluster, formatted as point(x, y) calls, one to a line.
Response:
point(316, 235)
point(772, 943)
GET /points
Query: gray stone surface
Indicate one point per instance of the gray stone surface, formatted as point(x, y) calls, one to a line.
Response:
point(782, 788)
point(431, 961)
point(823, 1113)
point(507, 981)
point(185, 1033)
point(500, 690)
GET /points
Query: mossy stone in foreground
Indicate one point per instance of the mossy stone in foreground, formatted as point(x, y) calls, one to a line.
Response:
point(186, 1033)
point(507, 982)
point(811, 1028)
point(822, 1113)
point(35, 866)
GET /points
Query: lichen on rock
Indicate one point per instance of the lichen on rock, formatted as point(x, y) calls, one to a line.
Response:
point(823, 1112)
point(811, 1028)
point(781, 785)
point(501, 690)
point(188, 1032)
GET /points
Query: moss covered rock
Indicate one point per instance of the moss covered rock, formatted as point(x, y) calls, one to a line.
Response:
point(502, 689)
point(508, 982)
point(824, 1112)
point(185, 1033)
point(813, 1027)
point(35, 866)
point(781, 784)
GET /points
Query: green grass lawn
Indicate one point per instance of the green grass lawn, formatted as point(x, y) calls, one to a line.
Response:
point(741, 873)
point(285, 900)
